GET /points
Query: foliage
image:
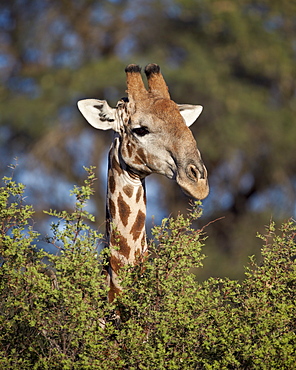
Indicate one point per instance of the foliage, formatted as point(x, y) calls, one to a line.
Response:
point(51, 304)
point(54, 315)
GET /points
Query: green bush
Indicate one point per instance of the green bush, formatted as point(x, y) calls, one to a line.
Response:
point(54, 313)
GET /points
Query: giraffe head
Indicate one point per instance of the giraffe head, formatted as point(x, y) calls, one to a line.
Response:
point(153, 130)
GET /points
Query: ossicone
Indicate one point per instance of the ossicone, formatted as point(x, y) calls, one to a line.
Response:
point(156, 82)
point(132, 68)
point(135, 86)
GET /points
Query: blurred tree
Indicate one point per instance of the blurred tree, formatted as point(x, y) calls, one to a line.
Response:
point(236, 58)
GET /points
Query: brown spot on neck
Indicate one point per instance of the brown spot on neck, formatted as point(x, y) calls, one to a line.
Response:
point(115, 263)
point(116, 166)
point(112, 209)
point(120, 241)
point(113, 292)
point(124, 209)
point(139, 194)
point(111, 183)
point(138, 225)
point(128, 190)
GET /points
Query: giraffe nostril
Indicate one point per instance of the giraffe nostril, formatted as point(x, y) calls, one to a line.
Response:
point(194, 173)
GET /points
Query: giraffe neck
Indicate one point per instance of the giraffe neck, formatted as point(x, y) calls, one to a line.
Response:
point(126, 214)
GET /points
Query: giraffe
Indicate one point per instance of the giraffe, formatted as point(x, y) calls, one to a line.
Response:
point(151, 135)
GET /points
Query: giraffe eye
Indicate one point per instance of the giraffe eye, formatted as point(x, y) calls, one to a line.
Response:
point(140, 131)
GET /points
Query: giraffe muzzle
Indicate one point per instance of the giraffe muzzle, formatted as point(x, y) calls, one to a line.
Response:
point(193, 181)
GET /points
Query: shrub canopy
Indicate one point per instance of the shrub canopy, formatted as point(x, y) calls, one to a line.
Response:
point(54, 313)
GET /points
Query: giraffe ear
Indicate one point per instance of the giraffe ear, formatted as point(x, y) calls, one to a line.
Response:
point(99, 114)
point(190, 112)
